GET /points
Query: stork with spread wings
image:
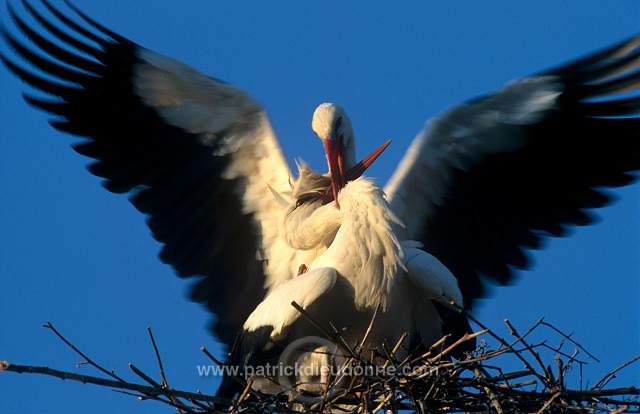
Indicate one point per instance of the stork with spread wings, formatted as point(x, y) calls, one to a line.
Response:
point(482, 183)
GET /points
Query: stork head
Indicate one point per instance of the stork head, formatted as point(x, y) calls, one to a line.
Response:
point(332, 125)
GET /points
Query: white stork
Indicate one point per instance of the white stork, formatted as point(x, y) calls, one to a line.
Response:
point(470, 188)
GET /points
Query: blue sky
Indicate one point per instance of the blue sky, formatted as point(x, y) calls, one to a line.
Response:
point(82, 258)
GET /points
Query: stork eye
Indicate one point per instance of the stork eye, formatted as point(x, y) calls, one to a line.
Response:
point(337, 123)
point(303, 200)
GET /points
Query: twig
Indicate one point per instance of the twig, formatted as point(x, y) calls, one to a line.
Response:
point(361, 343)
point(219, 363)
point(242, 397)
point(165, 383)
point(339, 340)
point(568, 337)
point(605, 380)
point(144, 376)
point(465, 338)
point(432, 382)
point(504, 343)
point(492, 395)
point(548, 403)
point(536, 356)
point(88, 379)
point(87, 360)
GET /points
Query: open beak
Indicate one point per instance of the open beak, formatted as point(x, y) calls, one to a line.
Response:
point(358, 169)
point(339, 178)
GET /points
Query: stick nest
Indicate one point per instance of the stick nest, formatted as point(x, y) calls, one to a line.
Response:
point(432, 382)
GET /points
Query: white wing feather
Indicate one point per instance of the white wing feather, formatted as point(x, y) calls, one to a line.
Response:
point(187, 99)
point(276, 310)
point(431, 277)
point(460, 138)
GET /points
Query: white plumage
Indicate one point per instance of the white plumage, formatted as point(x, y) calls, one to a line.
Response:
point(480, 184)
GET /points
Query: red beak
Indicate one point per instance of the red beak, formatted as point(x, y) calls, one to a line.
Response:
point(336, 167)
point(335, 159)
point(358, 169)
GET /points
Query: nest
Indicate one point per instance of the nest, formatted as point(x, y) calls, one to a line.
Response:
point(429, 382)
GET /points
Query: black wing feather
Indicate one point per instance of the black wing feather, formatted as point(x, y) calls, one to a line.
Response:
point(510, 201)
point(170, 175)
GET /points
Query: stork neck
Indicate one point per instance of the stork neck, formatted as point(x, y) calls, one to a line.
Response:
point(311, 228)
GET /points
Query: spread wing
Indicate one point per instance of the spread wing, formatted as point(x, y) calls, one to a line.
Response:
point(492, 177)
point(196, 155)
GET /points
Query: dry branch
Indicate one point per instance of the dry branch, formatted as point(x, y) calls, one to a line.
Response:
point(430, 382)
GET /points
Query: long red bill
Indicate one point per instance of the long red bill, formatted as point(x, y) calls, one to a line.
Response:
point(334, 151)
point(358, 169)
point(354, 172)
